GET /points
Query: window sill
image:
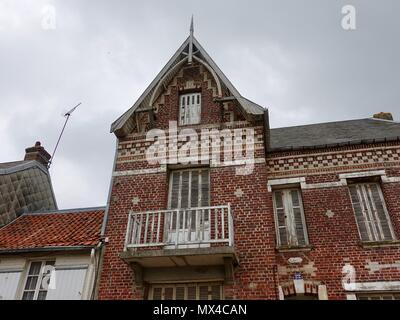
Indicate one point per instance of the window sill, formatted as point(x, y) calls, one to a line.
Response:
point(294, 248)
point(189, 125)
point(379, 244)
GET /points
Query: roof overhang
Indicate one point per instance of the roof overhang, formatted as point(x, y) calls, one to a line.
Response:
point(124, 124)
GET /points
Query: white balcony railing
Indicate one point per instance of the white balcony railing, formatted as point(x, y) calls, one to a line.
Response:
point(180, 228)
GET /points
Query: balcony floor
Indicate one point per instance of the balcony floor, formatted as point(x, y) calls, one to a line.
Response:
point(180, 257)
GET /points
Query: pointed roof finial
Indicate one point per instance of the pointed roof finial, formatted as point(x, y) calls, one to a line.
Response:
point(191, 26)
point(190, 56)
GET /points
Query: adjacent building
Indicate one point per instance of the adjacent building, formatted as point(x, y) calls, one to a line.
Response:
point(52, 255)
point(305, 212)
point(25, 186)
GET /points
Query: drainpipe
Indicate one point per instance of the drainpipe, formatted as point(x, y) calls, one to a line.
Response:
point(267, 134)
point(103, 241)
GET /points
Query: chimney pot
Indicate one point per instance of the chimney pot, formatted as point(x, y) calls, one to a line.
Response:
point(37, 153)
point(383, 115)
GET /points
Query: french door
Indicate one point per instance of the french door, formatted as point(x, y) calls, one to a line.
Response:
point(189, 191)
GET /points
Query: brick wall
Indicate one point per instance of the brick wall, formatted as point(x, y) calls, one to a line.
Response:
point(139, 186)
point(331, 224)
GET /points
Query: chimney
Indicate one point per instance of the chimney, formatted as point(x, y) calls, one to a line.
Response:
point(383, 115)
point(38, 153)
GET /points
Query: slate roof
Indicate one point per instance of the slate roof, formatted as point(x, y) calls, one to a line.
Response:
point(337, 133)
point(63, 228)
point(7, 165)
point(25, 186)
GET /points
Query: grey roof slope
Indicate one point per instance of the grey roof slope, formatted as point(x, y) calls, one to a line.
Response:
point(334, 133)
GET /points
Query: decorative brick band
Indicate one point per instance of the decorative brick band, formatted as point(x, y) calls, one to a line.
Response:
point(343, 180)
point(332, 161)
point(162, 168)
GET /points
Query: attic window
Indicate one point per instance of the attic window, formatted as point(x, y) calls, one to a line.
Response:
point(189, 108)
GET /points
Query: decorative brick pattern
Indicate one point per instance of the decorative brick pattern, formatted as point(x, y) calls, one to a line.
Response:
point(325, 161)
point(263, 268)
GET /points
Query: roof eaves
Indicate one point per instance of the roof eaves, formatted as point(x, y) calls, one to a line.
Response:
point(46, 249)
point(117, 124)
point(332, 145)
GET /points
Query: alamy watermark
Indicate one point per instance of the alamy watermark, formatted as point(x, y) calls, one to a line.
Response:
point(49, 21)
point(213, 146)
point(349, 17)
point(349, 278)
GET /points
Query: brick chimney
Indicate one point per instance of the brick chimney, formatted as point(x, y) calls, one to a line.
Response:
point(383, 115)
point(38, 153)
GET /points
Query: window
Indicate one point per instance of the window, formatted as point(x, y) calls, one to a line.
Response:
point(34, 286)
point(289, 218)
point(370, 210)
point(190, 108)
point(189, 189)
point(187, 291)
point(378, 296)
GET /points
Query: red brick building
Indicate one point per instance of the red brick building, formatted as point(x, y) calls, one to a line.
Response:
point(310, 212)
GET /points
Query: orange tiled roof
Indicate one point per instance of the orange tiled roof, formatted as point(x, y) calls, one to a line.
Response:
point(80, 227)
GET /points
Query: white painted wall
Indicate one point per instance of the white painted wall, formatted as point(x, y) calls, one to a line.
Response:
point(74, 276)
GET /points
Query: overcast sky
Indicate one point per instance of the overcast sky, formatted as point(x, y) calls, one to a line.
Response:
point(292, 57)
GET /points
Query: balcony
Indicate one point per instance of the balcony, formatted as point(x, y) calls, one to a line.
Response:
point(194, 237)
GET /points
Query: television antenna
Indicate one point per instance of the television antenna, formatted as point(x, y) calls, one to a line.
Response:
point(66, 115)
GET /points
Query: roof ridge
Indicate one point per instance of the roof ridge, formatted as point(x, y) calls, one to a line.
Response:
point(327, 122)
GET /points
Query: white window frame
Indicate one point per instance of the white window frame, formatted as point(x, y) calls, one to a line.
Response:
point(369, 296)
point(190, 186)
point(186, 286)
point(189, 104)
point(375, 233)
point(40, 278)
point(288, 209)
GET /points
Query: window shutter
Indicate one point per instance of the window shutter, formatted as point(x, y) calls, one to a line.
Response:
point(379, 207)
point(190, 108)
point(205, 188)
point(168, 293)
point(371, 214)
point(179, 293)
point(69, 284)
point(358, 211)
point(281, 218)
point(174, 194)
point(8, 284)
point(189, 291)
point(203, 294)
point(185, 190)
point(192, 293)
point(194, 189)
point(157, 293)
point(298, 217)
point(216, 292)
point(190, 188)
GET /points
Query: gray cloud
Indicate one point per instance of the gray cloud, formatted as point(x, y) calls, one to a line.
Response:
point(290, 56)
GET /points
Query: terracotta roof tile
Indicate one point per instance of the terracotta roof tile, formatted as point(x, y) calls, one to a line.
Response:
point(53, 229)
